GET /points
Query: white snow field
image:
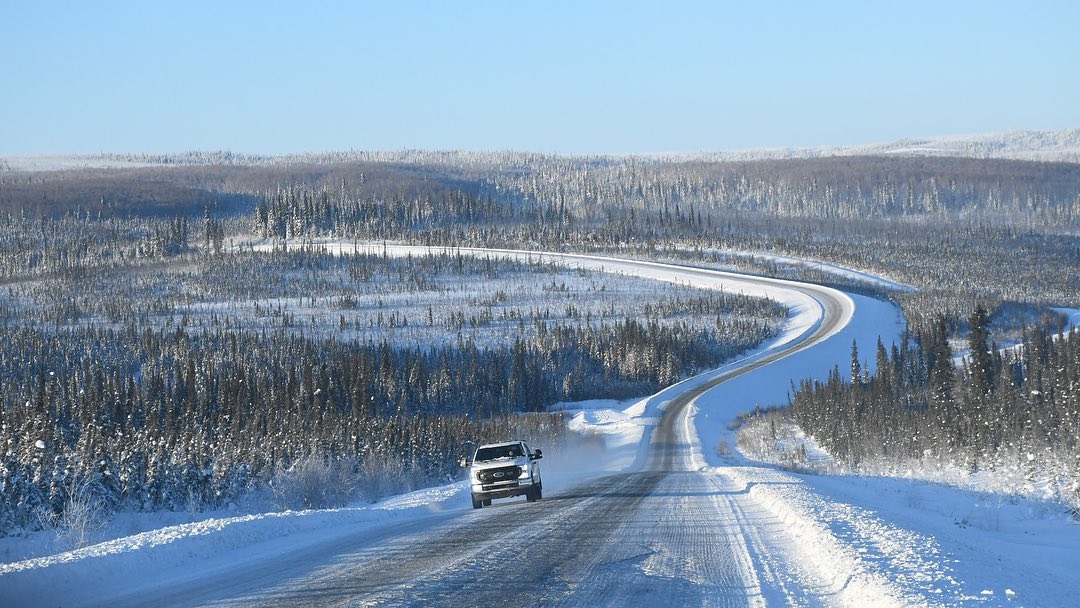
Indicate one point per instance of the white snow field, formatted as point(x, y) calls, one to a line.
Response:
point(684, 520)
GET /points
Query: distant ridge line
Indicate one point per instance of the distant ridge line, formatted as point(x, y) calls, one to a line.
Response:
point(1062, 145)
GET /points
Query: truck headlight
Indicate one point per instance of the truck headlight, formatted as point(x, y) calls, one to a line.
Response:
point(524, 473)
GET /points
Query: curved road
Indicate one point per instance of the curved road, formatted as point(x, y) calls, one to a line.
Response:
point(672, 533)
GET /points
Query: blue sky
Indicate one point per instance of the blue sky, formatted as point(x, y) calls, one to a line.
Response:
point(579, 77)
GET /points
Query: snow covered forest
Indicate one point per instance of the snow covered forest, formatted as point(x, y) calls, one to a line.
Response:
point(197, 382)
point(1012, 415)
point(153, 358)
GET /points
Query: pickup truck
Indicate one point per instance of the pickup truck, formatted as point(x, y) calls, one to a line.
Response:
point(503, 470)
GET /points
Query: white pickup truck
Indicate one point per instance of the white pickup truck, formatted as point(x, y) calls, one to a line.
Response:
point(502, 470)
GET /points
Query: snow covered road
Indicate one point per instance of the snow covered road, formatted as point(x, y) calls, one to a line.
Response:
point(680, 525)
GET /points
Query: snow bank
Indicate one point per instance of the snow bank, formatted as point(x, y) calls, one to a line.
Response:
point(188, 549)
point(991, 546)
point(861, 558)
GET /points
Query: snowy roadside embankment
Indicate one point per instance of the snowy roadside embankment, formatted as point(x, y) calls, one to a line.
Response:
point(860, 557)
point(1000, 548)
point(186, 550)
point(619, 424)
point(888, 541)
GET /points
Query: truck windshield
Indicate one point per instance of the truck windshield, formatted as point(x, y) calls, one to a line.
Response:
point(500, 451)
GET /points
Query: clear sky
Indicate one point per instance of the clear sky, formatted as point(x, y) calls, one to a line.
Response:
point(575, 76)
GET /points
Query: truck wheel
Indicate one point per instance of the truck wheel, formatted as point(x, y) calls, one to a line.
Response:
point(487, 502)
point(539, 491)
point(477, 504)
point(532, 495)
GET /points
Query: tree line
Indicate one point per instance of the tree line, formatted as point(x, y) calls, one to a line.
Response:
point(995, 409)
point(152, 419)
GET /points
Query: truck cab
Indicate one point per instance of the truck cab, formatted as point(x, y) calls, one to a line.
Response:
point(504, 470)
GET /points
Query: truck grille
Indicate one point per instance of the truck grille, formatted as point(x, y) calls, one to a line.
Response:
point(499, 474)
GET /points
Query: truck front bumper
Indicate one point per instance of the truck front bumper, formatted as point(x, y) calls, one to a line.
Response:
point(502, 489)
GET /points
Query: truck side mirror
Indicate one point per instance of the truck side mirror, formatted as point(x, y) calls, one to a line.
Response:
point(464, 463)
point(537, 455)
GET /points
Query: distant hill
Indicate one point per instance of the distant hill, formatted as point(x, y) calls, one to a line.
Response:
point(1029, 174)
point(1050, 146)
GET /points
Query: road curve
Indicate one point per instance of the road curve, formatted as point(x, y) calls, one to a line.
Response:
point(667, 534)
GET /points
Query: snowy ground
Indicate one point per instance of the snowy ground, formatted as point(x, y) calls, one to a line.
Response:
point(865, 541)
point(421, 305)
point(803, 311)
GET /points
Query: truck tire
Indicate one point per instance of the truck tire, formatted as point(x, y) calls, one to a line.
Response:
point(539, 491)
point(477, 504)
point(487, 502)
point(532, 494)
